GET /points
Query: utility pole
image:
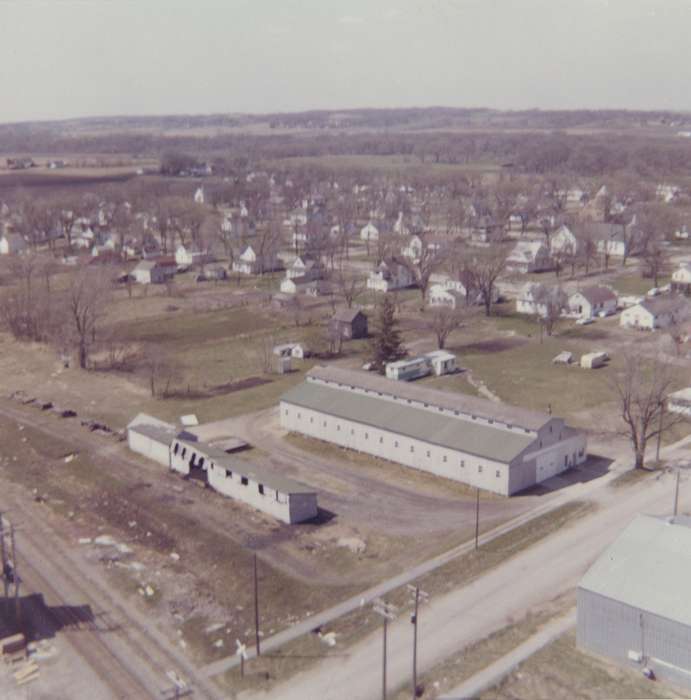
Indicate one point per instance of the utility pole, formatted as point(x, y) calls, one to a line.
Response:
point(477, 516)
point(15, 575)
point(659, 432)
point(3, 558)
point(388, 612)
point(676, 495)
point(256, 607)
point(417, 596)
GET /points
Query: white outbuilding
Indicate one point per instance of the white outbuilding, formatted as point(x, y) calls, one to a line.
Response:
point(150, 437)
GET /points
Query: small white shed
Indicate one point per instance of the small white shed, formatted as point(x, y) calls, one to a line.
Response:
point(406, 370)
point(593, 360)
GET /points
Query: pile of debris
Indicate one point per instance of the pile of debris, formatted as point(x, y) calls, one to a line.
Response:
point(13, 650)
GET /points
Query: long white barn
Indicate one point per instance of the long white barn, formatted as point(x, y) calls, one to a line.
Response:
point(285, 499)
point(493, 446)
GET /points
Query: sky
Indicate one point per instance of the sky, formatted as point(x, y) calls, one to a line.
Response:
point(74, 58)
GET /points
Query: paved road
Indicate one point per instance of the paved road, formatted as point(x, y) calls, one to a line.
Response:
point(571, 493)
point(496, 672)
point(503, 595)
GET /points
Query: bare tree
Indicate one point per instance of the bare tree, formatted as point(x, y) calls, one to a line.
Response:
point(442, 322)
point(349, 287)
point(487, 270)
point(86, 303)
point(550, 303)
point(422, 267)
point(641, 389)
point(159, 368)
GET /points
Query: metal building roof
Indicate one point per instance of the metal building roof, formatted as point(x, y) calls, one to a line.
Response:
point(469, 405)
point(418, 423)
point(647, 567)
point(243, 467)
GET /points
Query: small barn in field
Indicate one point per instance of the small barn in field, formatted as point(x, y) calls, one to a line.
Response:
point(350, 324)
point(633, 603)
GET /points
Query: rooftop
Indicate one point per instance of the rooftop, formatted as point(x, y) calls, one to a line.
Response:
point(469, 405)
point(417, 423)
point(647, 567)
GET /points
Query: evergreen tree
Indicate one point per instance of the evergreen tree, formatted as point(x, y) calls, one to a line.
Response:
point(386, 343)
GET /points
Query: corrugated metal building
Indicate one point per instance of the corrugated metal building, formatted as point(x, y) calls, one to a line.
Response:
point(150, 437)
point(634, 604)
point(483, 443)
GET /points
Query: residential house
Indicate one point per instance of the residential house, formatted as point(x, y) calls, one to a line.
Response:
point(253, 263)
point(655, 312)
point(529, 256)
point(482, 443)
point(681, 278)
point(349, 324)
point(667, 193)
point(563, 242)
point(189, 255)
point(305, 266)
point(199, 195)
point(680, 402)
point(593, 301)
point(619, 240)
point(389, 275)
point(12, 244)
point(369, 232)
point(156, 271)
point(529, 300)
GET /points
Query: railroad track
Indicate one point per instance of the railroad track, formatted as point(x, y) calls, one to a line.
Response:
point(131, 658)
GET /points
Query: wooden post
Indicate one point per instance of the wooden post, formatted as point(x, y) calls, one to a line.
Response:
point(256, 608)
point(383, 678)
point(15, 575)
point(415, 614)
point(676, 495)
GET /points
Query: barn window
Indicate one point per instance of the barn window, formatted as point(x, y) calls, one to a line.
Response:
point(244, 480)
point(366, 436)
point(311, 419)
point(441, 410)
point(456, 413)
point(443, 459)
point(229, 474)
point(184, 452)
point(201, 462)
point(299, 416)
point(260, 488)
point(580, 452)
point(498, 473)
point(540, 443)
point(429, 454)
point(550, 428)
point(491, 421)
point(426, 405)
point(285, 413)
point(338, 427)
point(395, 444)
point(325, 424)
point(479, 469)
point(462, 463)
point(176, 448)
point(381, 440)
point(412, 448)
point(352, 431)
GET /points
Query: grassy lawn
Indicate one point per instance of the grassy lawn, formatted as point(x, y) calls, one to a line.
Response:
point(562, 670)
point(635, 285)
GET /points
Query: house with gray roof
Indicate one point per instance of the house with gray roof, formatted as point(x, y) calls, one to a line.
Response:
point(633, 603)
point(494, 446)
point(656, 312)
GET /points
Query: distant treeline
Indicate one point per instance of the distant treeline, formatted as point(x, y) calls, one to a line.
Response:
point(531, 152)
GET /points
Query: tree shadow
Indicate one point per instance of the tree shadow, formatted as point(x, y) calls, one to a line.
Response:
point(594, 467)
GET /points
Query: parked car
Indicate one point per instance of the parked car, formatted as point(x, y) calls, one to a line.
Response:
point(585, 321)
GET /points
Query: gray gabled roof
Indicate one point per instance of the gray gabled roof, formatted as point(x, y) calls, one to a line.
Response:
point(437, 429)
point(469, 405)
point(647, 567)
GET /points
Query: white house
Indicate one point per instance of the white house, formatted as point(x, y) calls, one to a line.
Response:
point(563, 241)
point(305, 266)
point(199, 195)
point(529, 298)
point(667, 193)
point(186, 256)
point(485, 444)
point(529, 256)
point(150, 437)
point(681, 277)
point(439, 296)
point(369, 232)
point(154, 271)
point(272, 493)
point(251, 263)
point(655, 312)
point(593, 301)
point(12, 244)
point(299, 285)
point(388, 276)
point(680, 402)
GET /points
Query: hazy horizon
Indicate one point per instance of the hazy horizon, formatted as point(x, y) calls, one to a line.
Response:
point(70, 59)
